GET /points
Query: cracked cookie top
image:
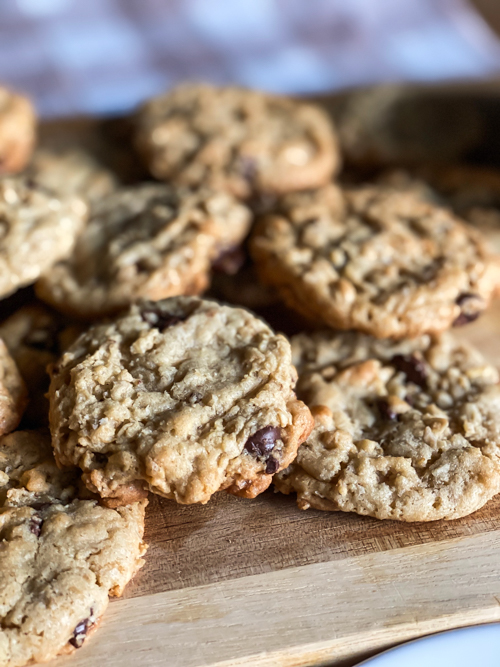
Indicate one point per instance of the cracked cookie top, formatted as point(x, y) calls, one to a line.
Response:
point(147, 241)
point(406, 431)
point(239, 140)
point(183, 397)
point(37, 228)
point(72, 172)
point(375, 259)
point(61, 557)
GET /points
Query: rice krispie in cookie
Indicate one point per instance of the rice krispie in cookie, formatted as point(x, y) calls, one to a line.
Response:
point(240, 140)
point(407, 431)
point(375, 259)
point(149, 241)
point(17, 131)
point(13, 392)
point(184, 397)
point(60, 557)
point(37, 228)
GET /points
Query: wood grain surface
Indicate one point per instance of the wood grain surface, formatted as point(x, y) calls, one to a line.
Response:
point(313, 615)
point(231, 538)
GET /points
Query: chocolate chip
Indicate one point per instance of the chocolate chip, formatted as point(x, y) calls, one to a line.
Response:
point(248, 167)
point(410, 400)
point(272, 466)
point(413, 367)
point(194, 397)
point(471, 306)
point(35, 525)
point(160, 320)
point(230, 261)
point(466, 296)
point(465, 319)
point(262, 202)
point(80, 632)
point(385, 410)
point(262, 442)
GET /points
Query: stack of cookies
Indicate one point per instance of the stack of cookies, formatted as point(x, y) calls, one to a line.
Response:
point(117, 379)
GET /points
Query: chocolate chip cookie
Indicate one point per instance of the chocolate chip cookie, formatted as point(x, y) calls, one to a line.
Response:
point(184, 397)
point(37, 228)
point(148, 241)
point(36, 336)
point(13, 392)
point(72, 172)
point(407, 431)
point(471, 192)
point(235, 139)
point(404, 125)
point(375, 259)
point(61, 557)
point(17, 131)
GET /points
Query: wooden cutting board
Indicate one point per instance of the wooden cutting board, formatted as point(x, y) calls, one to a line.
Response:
point(239, 582)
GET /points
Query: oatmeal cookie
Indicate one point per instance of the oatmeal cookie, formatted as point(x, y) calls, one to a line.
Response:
point(236, 139)
point(13, 392)
point(235, 281)
point(35, 337)
point(37, 228)
point(471, 192)
point(404, 125)
point(71, 172)
point(375, 259)
point(106, 141)
point(407, 431)
point(61, 557)
point(184, 397)
point(149, 241)
point(17, 131)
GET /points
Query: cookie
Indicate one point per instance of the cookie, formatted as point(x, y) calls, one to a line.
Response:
point(37, 228)
point(17, 131)
point(245, 290)
point(235, 139)
point(374, 259)
point(107, 141)
point(61, 557)
point(407, 431)
point(404, 125)
point(13, 393)
point(35, 337)
point(235, 281)
point(72, 172)
point(184, 397)
point(149, 241)
point(471, 192)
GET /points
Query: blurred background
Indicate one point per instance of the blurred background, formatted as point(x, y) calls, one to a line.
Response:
point(105, 56)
